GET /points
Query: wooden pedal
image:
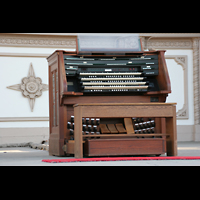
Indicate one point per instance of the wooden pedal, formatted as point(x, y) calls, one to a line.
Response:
point(104, 129)
point(112, 128)
point(129, 125)
point(120, 128)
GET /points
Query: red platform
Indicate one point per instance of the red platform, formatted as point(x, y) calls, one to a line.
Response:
point(121, 159)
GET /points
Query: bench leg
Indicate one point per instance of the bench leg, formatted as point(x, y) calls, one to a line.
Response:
point(78, 144)
point(171, 130)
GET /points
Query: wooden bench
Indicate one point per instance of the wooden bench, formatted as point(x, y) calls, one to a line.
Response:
point(165, 111)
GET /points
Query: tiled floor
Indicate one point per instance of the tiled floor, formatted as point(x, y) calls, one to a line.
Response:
point(25, 156)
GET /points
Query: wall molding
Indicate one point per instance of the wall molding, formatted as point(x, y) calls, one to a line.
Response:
point(2, 54)
point(23, 135)
point(182, 60)
point(175, 43)
point(166, 43)
point(140, 34)
point(23, 119)
point(37, 41)
point(68, 40)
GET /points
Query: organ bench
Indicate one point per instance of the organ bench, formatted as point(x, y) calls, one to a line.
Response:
point(127, 144)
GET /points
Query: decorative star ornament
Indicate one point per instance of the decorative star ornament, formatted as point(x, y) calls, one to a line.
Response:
point(31, 87)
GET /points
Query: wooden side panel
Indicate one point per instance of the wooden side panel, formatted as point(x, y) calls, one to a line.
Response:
point(53, 127)
point(163, 77)
point(57, 112)
point(62, 77)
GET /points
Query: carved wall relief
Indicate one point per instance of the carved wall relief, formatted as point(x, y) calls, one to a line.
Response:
point(183, 113)
point(31, 87)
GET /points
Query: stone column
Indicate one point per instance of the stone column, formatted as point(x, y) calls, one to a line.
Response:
point(196, 80)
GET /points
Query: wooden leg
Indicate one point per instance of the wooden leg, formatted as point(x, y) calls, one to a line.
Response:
point(171, 130)
point(163, 130)
point(78, 144)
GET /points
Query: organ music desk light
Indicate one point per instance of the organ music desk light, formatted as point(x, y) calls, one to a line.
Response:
point(109, 69)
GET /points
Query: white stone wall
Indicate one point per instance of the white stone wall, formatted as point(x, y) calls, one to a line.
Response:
point(17, 51)
point(17, 122)
point(181, 76)
point(182, 87)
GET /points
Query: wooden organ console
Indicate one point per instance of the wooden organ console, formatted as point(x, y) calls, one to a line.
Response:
point(79, 77)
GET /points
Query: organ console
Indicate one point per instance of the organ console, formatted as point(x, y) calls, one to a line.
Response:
point(101, 76)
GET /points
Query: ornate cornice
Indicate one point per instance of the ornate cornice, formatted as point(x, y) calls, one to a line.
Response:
point(170, 35)
point(171, 44)
point(165, 43)
point(166, 35)
point(68, 40)
point(37, 41)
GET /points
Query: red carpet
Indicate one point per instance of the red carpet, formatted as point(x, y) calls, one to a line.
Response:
point(122, 159)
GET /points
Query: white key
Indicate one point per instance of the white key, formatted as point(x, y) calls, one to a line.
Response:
point(116, 87)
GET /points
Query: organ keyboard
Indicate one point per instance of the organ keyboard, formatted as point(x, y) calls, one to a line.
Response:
point(110, 77)
point(112, 74)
